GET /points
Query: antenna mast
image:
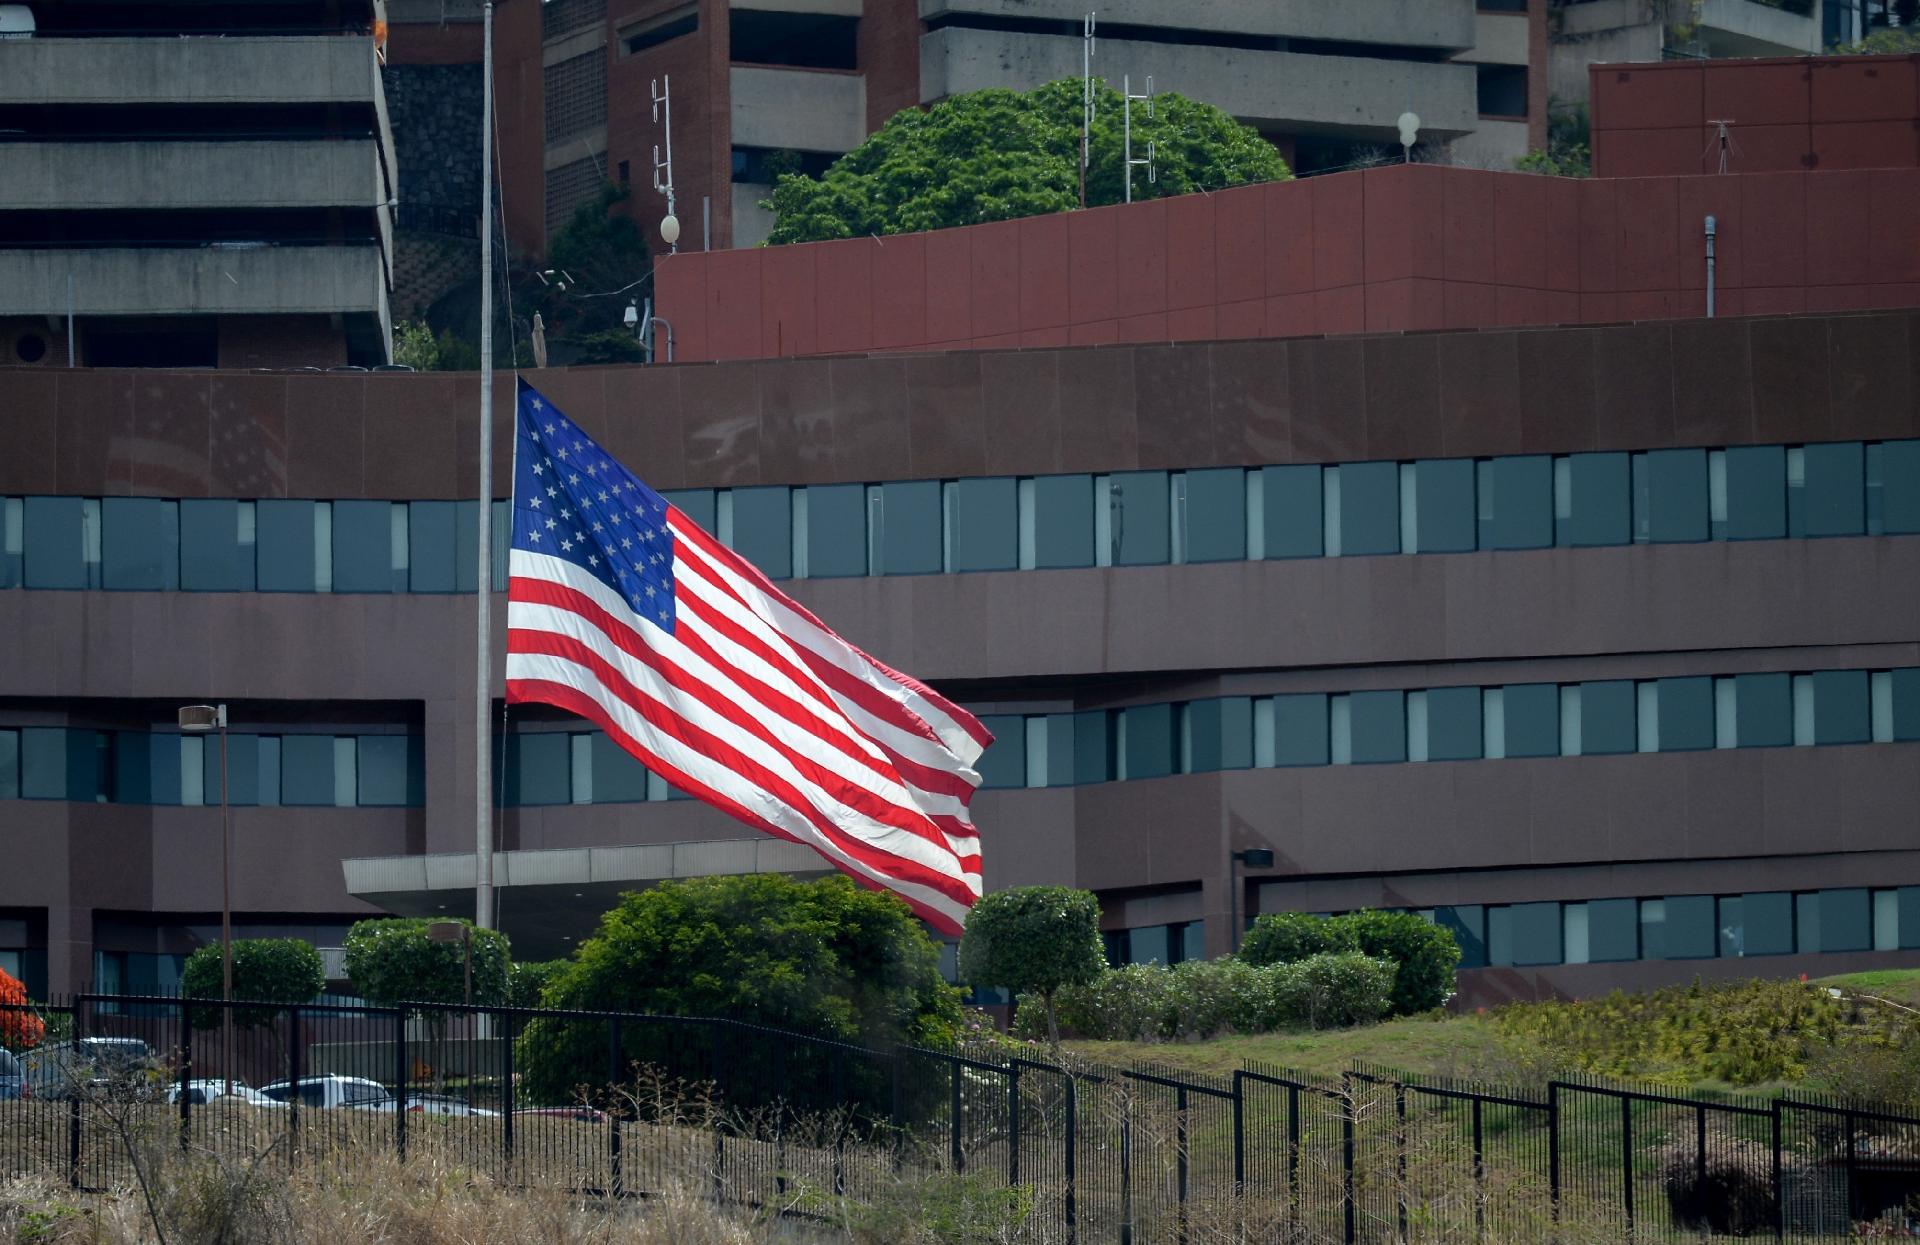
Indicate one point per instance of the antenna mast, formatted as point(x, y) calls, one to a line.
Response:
point(662, 90)
point(1086, 102)
point(1126, 89)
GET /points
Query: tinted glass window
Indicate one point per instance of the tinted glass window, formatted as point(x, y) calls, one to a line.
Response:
point(696, 503)
point(618, 776)
point(1369, 508)
point(382, 770)
point(9, 765)
point(1004, 763)
point(286, 545)
point(1900, 487)
point(1613, 930)
point(1756, 492)
point(56, 543)
point(466, 530)
point(1691, 931)
point(12, 540)
point(306, 770)
point(1093, 746)
point(909, 528)
point(1220, 734)
point(1444, 505)
point(1686, 714)
point(1467, 923)
point(133, 769)
point(140, 543)
point(984, 524)
point(1519, 512)
point(1906, 703)
point(836, 530)
point(1536, 929)
point(1151, 746)
point(1300, 729)
point(243, 767)
point(1841, 707)
point(1216, 515)
point(1292, 512)
point(1833, 499)
point(1607, 718)
point(1766, 922)
point(539, 769)
point(43, 763)
point(1763, 710)
point(1846, 921)
point(1533, 720)
point(363, 546)
point(216, 545)
point(431, 545)
point(1063, 521)
point(1379, 727)
point(1140, 524)
point(1453, 724)
point(1677, 495)
point(763, 529)
point(1060, 751)
point(1907, 911)
point(1600, 500)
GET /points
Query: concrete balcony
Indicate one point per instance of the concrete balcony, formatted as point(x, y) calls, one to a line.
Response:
point(152, 175)
point(801, 109)
point(293, 69)
point(1346, 95)
point(1620, 30)
point(1444, 24)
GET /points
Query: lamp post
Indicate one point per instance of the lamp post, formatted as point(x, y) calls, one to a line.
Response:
point(1252, 858)
point(199, 720)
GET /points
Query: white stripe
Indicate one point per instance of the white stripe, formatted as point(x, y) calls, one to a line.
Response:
point(529, 616)
point(830, 647)
point(703, 769)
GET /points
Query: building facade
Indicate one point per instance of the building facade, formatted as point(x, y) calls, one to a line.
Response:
point(191, 186)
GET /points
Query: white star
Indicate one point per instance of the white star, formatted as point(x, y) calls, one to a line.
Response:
point(579, 447)
point(592, 561)
point(626, 542)
point(618, 517)
point(562, 455)
point(534, 535)
point(574, 478)
point(552, 492)
point(597, 527)
point(538, 469)
point(537, 406)
point(535, 503)
point(603, 494)
point(649, 589)
point(567, 545)
point(551, 524)
point(663, 615)
point(550, 425)
point(592, 468)
point(565, 513)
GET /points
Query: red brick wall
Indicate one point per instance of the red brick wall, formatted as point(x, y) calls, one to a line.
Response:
point(434, 43)
point(521, 113)
point(1810, 112)
point(889, 54)
point(1398, 248)
point(1539, 71)
point(280, 341)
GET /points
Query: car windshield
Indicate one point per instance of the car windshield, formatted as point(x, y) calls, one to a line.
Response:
point(278, 1093)
point(9, 1066)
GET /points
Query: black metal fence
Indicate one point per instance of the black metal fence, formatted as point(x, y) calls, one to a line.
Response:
point(627, 1105)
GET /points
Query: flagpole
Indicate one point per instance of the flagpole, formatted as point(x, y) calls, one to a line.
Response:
point(483, 583)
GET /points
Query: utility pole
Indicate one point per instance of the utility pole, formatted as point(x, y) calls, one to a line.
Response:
point(483, 584)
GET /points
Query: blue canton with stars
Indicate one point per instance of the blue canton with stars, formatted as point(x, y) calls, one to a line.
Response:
point(572, 501)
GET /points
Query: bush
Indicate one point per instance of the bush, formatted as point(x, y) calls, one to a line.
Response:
point(1204, 998)
point(393, 960)
point(1033, 939)
point(1424, 953)
point(1333, 991)
point(272, 970)
point(528, 981)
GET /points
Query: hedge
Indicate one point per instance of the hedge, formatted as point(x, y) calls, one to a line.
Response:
point(1424, 953)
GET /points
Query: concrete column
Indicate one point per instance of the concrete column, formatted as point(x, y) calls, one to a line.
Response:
point(69, 949)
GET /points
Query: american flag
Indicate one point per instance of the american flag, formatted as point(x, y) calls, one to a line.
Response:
point(622, 610)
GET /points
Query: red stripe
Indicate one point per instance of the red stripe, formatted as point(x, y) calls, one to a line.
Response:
point(911, 819)
point(522, 691)
point(673, 725)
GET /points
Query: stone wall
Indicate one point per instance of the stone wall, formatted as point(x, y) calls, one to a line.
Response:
point(435, 111)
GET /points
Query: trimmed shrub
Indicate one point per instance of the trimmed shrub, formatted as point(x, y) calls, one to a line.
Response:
point(1033, 939)
point(1333, 991)
point(273, 970)
point(1284, 937)
point(527, 980)
point(1425, 954)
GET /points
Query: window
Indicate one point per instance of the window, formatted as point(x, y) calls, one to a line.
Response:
point(1467, 921)
point(1756, 492)
point(62, 546)
point(1300, 729)
point(1003, 764)
point(466, 531)
point(983, 524)
point(1600, 500)
point(699, 504)
point(539, 769)
point(217, 542)
point(1766, 923)
point(12, 540)
point(1062, 522)
point(1379, 727)
point(389, 771)
point(618, 776)
point(1899, 489)
point(1535, 930)
point(1672, 503)
point(1763, 710)
point(140, 539)
point(1093, 747)
point(1453, 724)
point(288, 546)
point(802, 40)
point(1532, 720)
point(1845, 921)
point(763, 529)
point(1904, 689)
point(431, 544)
point(1827, 496)
point(1139, 517)
point(1150, 741)
point(1607, 718)
point(1293, 512)
point(1691, 931)
point(835, 532)
point(1516, 502)
point(906, 527)
point(1368, 511)
point(1217, 735)
point(1214, 515)
point(1444, 511)
point(1613, 930)
point(1050, 751)
point(363, 546)
point(650, 34)
point(9, 765)
point(1685, 714)
point(307, 770)
point(1841, 707)
point(1502, 90)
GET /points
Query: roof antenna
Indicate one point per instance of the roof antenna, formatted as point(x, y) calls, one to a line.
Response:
point(1086, 101)
point(1722, 140)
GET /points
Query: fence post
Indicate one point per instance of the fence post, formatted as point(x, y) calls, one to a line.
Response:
point(780, 1121)
point(1126, 1164)
point(1700, 1147)
point(186, 1074)
point(1293, 1151)
point(1073, 1206)
point(1239, 1133)
point(719, 1119)
point(1346, 1157)
point(507, 1095)
point(402, 1069)
point(955, 1153)
point(1626, 1156)
point(1553, 1147)
point(73, 1098)
point(840, 1130)
point(1779, 1187)
point(613, 1107)
point(1479, 1174)
point(897, 1115)
point(293, 1081)
point(1853, 1187)
point(1013, 1124)
point(1180, 1153)
point(1400, 1165)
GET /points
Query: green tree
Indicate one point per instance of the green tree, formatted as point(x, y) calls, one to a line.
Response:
point(1569, 151)
point(1882, 42)
point(392, 960)
point(1034, 940)
point(270, 970)
point(825, 958)
point(529, 980)
point(998, 155)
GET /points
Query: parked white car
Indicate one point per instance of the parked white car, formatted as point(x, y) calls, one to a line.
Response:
point(200, 1092)
point(429, 1104)
point(326, 1091)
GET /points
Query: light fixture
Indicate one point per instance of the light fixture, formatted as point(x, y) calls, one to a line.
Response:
point(631, 316)
point(198, 719)
point(1409, 131)
point(670, 229)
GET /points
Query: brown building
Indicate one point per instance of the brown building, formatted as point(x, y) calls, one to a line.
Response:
point(1598, 643)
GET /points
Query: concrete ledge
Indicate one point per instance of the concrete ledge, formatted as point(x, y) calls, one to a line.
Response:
point(281, 69)
point(1421, 23)
point(153, 175)
point(196, 281)
point(804, 109)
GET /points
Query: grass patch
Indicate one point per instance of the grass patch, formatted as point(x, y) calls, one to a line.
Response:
point(1433, 1045)
point(1901, 985)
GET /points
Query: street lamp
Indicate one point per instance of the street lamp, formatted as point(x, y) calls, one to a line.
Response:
point(1252, 858)
point(198, 720)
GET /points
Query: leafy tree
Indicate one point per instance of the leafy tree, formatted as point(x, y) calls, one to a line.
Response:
point(20, 1028)
point(1569, 151)
point(415, 345)
point(1034, 939)
point(999, 154)
point(391, 960)
point(1885, 41)
point(825, 958)
point(529, 980)
point(272, 970)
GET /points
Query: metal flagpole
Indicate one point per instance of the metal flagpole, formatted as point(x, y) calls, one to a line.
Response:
point(483, 583)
